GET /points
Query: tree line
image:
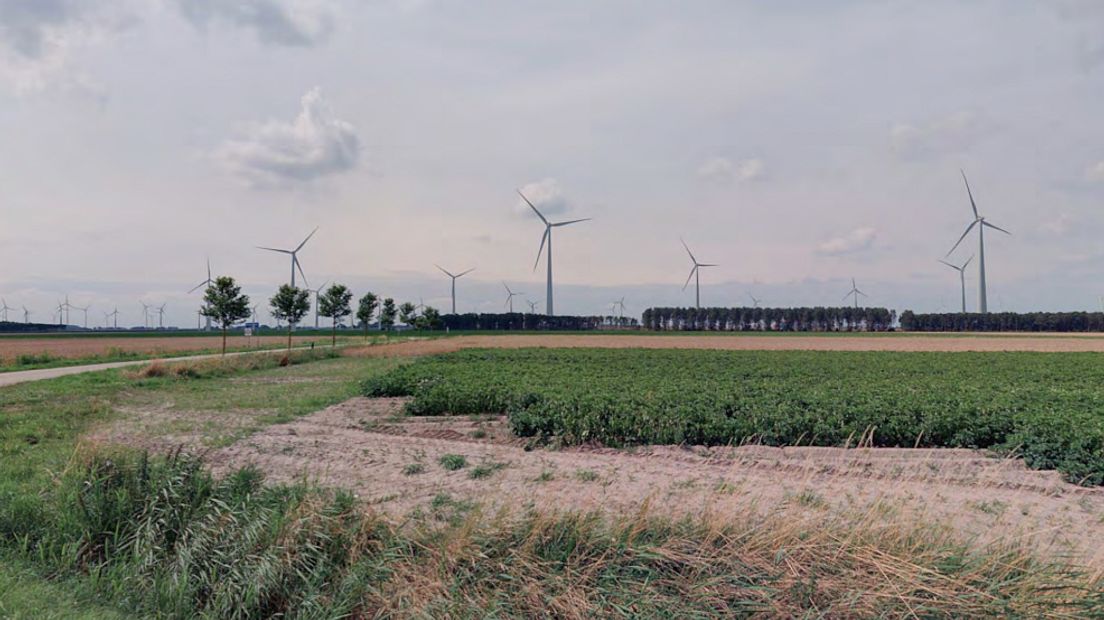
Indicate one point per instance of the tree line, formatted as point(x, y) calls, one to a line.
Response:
point(814, 319)
point(1003, 322)
point(536, 322)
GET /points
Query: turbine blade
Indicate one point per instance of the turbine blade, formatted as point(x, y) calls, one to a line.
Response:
point(307, 239)
point(544, 237)
point(968, 261)
point(532, 207)
point(955, 267)
point(694, 260)
point(968, 229)
point(274, 250)
point(465, 272)
point(295, 259)
point(969, 193)
point(692, 270)
point(984, 223)
point(443, 270)
point(508, 291)
point(208, 268)
point(708, 265)
point(196, 287)
point(861, 293)
point(585, 219)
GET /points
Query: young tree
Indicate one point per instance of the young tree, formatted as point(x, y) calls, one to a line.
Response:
point(430, 319)
point(334, 304)
point(225, 304)
point(366, 309)
point(407, 313)
point(387, 314)
point(290, 304)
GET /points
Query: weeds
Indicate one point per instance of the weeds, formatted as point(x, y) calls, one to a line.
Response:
point(485, 470)
point(453, 462)
point(413, 469)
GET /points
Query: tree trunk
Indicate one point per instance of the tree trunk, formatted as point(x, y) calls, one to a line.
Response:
point(224, 340)
point(333, 342)
point(289, 337)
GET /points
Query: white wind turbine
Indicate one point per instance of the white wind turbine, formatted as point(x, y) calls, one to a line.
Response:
point(204, 284)
point(160, 316)
point(114, 314)
point(294, 257)
point(4, 308)
point(510, 297)
point(754, 301)
point(961, 277)
point(145, 314)
point(85, 311)
point(695, 274)
point(317, 292)
point(978, 219)
point(532, 305)
point(547, 237)
point(454, 277)
point(67, 307)
point(620, 303)
point(854, 292)
point(26, 315)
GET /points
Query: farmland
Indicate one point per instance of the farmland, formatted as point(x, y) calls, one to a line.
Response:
point(1047, 407)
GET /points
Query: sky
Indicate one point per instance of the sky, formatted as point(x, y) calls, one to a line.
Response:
point(795, 144)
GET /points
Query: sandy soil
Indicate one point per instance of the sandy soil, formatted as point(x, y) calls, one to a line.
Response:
point(364, 445)
point(1003, 342)
point(98, 345)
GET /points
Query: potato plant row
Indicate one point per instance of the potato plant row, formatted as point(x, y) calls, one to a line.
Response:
point(1047, 406)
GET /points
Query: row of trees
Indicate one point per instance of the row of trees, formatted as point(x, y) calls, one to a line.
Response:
point(227, 306)
point(1003, 322)
point(521, 321)
point(817, 319)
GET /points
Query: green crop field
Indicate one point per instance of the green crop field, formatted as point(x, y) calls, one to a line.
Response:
point(1049, 407)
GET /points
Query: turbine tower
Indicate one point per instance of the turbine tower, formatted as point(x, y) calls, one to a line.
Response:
point(205, 283)
point(145, 314)
point(113, 314)
point(294, 257)
point(85, 311)
point(961, 276)
point(317, 292)
point(454, 277)
point(547, 237)
point(161, 316)
point(754, 301)
point(4, 308)
point(510, 297)
point(978, 219)
point(695, 274)
point(66, 307)
point(854, 292)
point(26, 315)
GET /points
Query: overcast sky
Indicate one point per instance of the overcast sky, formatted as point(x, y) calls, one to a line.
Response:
point(797, 144)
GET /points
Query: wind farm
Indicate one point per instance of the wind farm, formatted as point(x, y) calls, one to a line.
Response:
point(376, 400)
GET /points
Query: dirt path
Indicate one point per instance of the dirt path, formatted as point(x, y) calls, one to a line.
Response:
point(1004, 342)
point(363, 445)
point(79, 347)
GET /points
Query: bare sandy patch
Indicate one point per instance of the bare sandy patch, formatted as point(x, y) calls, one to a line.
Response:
point(734, 342)
point(367, 446)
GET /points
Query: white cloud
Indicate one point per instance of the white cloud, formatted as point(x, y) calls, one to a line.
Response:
point(855, 241)
point(949, 134)
point(294, 23)
point(278, 153)
point(546, 195)
point(1059, 225)
point(1095, 172)
point(722, 169)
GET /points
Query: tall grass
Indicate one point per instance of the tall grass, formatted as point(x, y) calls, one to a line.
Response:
point(161, 537)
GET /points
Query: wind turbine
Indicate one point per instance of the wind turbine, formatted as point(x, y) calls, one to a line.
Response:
point(113, 314)
point(532, 306)
point(317, 292)
point(510, 297)
point(754, 301)
point(854, 292)
point(205, 283)
point(961, 276)
point(547, 237)
point(695, 274)
point(454, 277)
point(978, 219)
point(60, 310)
point(67, 307)
point(620, 303)
point(145, 314)
point(161, 316)
point(26, 315)
point(4, 308)
point(294, 257)
point(85, 311)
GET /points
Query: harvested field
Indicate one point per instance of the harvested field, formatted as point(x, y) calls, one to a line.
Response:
point(394, 463)
point(96, 346)
point(827, 342)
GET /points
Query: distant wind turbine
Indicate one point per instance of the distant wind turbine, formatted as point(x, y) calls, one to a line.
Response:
point(161, 316)
point(620, 303)
point(547, 237)
point(854, 292)
point(26, 315)
point(754, 301)
point(961, 277)
point(978, 219)
point(510, 297)
point(4, 308)
point(67, 307)
point(85, 311)
point(114, 314)
point(294, 257)
point(695, 274)
point(203, 284)
point(317, 292)
point(454, 277)
point(145, 313)
point(532, 305)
